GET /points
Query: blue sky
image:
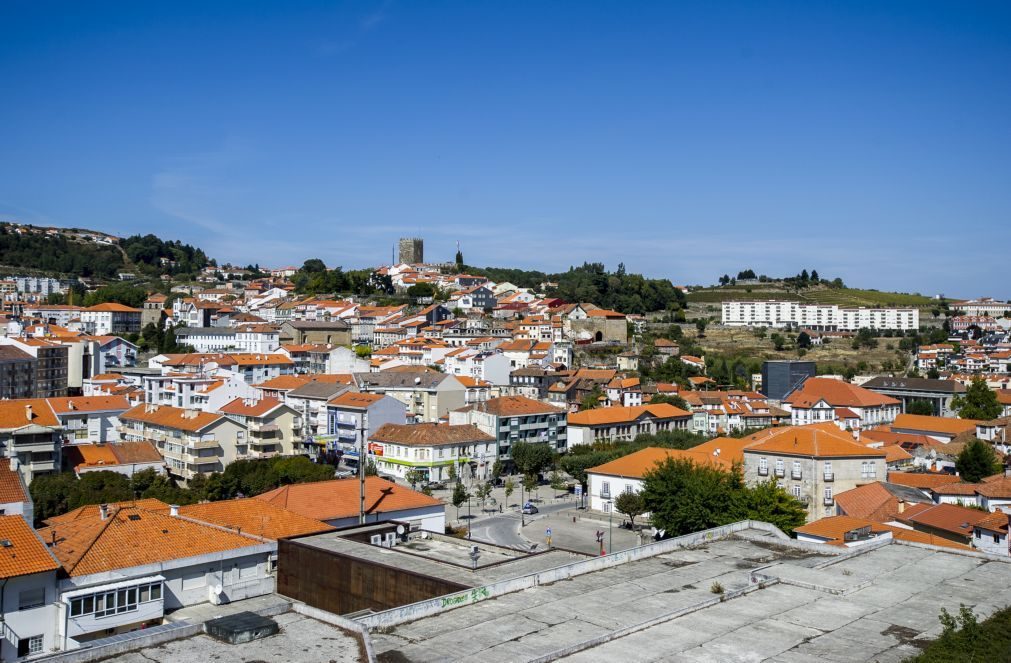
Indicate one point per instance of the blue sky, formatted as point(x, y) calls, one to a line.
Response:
point(868, 140)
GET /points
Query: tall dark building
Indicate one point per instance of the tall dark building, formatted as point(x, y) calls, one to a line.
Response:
point(17, 373)
point(779, 378)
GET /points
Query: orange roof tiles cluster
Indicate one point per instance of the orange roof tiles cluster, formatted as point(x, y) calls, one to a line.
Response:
point(132, 536)
point(11, 487)
point(338, 499)
point(26, 553)
point(945, 517)
point(26, 412)
point(636, 465)
point(837, 394)
point(165, 416)
point(246, 408)
point(816, 440)
point(506, 406)
point(926, 424)
point(616, 415)
point(834, 529)
point(922, 479)
point(430, 434)
point(256, 517)
point(88, 456)
point(355, 400)
point(70, 404)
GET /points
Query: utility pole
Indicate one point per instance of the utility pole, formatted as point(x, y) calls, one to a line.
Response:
point(361, 469)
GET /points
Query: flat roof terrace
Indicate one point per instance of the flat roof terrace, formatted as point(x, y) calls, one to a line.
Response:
point(781, 602)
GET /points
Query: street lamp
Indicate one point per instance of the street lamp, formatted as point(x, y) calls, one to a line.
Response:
point(469, 498)
point(610, 534)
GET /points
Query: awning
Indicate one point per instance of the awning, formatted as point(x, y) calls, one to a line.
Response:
point(94, 589)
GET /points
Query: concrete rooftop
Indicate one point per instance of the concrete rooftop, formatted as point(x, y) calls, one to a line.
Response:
point(877, 604)
point(301, 639)
point(447, 558)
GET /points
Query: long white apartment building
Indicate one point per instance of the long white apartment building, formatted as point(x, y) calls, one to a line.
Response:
point(819, 317)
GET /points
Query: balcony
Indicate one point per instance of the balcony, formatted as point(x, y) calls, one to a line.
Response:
point(796, 475)
point(828, 501)
point(763, 471)
point(193, 443)
point(780, 472)
point(829, 476)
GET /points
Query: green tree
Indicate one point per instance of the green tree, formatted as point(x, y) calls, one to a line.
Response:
point(558, 482)
point(530, 483)
point(920, 406)
point(421, 290)
point(414, 476)
point(977, 460)
point(803, 340)
point(683, 497)
point(700, 327)
point(531, 458)
point(778, 342)
point(592, 399)
point(510, 487)
point(460, 496)
point(769, 502)
point(630, 504)
point(979, 402)
point(671, 399)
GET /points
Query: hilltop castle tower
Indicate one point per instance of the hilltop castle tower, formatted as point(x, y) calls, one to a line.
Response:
point(412, 250)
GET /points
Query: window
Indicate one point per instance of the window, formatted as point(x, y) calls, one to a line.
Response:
point(763, 466)
point(996, 538)
point(828, 494)
point(30, 645)
point(780, 469)
point(605, 489)
point(32, 598)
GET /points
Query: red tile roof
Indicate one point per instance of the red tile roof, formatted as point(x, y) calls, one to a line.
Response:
point(837, 394)
point(164, 416)
point(635, 465)
point(132, 536)
point(337, 499)
point(816, 441)
point(26, 553)
point(11, 486)
point(921, 479)
point(257, 517)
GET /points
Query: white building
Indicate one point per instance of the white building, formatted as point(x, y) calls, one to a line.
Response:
point(434, 449)
point(819, 317)
point(112, 585)
point(29, 598)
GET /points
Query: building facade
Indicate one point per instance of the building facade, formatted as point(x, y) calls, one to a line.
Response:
point(819, 317)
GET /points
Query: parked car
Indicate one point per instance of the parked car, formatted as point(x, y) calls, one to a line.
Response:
point(435, 485)
point(529, 509)
point(343, 474)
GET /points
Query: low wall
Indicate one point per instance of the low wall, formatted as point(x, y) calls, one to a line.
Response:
point(340, 622)
point(131, 641)
point(413, 611)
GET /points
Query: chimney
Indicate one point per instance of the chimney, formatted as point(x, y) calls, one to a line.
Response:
point(14, 463)
point(28, 412)
point(103, 511)
point(173, 509)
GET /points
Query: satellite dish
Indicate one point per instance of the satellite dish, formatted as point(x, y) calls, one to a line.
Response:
point(400, 530)
point(218, 589)
point(211, 366)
